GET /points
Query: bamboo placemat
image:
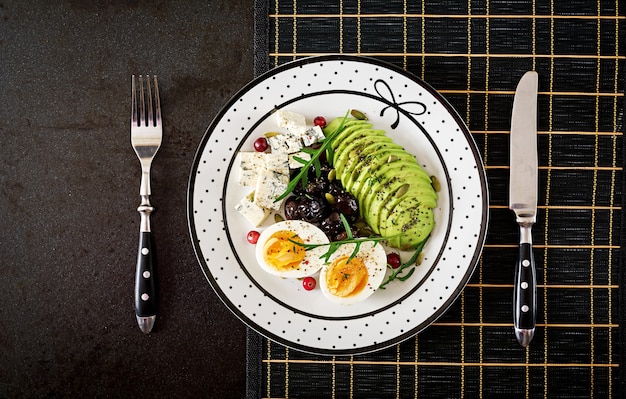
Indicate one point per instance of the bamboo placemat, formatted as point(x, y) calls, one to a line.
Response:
point(474, 53)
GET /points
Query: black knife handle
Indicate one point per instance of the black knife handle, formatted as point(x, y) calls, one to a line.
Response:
point(525, 291)
point(145, 277)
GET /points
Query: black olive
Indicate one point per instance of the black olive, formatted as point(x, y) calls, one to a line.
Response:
point(323, 171)
point(316, 187)
point(323, 158)
point(335, 188)
point(291, 208)
point(311, 209)
point(344, 236)
point(346, 204)
point(298, 189)
point(332, 225)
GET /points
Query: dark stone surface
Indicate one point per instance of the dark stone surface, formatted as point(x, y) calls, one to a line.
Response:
point(69, 183)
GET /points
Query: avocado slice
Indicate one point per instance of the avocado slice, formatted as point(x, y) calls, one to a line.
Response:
point(398, 163)
point(410, 172)
point(361, 149)
point(366, 178)
point(344, 151)
point(417, 183)
point(380, 205)
point(345, 140)
point(408, 224)
point(427, 200)
point(334, 124)
point(352, 127)
point(363, 162)
point(391, 186)
point(384, 187)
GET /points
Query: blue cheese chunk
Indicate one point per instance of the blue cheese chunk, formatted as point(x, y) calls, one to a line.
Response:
point(270, 185)
point(284, 143)
point(250, 163)
point(312, 135)
point(277, 162)
point(295, 164)
point(251, 211)
point(292, 121)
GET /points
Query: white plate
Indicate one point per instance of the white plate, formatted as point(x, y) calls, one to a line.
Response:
point(414, 115)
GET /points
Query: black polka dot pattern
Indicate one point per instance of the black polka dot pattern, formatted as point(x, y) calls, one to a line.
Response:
point(416, 117)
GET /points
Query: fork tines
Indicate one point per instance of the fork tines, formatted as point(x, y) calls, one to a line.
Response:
point(148, 111)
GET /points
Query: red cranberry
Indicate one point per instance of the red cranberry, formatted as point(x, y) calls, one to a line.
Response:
point(260, 144)
point(253, 236)
point(320, 121)
point(393, 259)
point(308, 283)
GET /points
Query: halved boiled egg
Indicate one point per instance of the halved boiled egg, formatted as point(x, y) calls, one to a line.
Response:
point(277, 250)
point(347, 280)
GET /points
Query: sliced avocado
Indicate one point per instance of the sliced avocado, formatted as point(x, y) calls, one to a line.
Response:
point(364, 161)
point(391, 151)
point(394, 193)
point(366, 179)
point(354, 126)
point(395, 188)
point(415, 183)
point(343, 142)
point(361, 149)
point(380, 205)
point(398, 163)
point(335, 123)
point(409, 224)
point(426, 199)
point(384, 187)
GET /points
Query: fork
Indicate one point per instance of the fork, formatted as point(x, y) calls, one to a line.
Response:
point(146, 133)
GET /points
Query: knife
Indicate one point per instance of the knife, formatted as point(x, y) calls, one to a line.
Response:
point(523, 201)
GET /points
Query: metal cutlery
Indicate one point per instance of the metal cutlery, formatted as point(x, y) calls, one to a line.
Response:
point(146, 133)
point(523, 201)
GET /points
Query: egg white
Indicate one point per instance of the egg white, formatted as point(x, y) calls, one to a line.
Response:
point(374, 258)
point(309, 234)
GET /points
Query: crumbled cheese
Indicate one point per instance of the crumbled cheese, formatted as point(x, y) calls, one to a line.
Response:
point(294, 164)
point(251, 211)
point(277, 162)
point(270, 185)
point(250, 163)
point(312, 135)
point(285, 143)
point(292, 121)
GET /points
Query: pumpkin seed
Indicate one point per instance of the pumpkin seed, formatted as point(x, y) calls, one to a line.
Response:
point(365, 231)
point(359, 224)
point(358, 115)
point(332, 174)
point(419, 259)
point(402, 190)
point(330, 198)
point(435, 183)
point(278, 218)
point(392, 158)
point(271, 134)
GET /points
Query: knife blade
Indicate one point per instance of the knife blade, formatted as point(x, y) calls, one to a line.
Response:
point(523, 202)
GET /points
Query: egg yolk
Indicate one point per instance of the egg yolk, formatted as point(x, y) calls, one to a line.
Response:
point(281, 253)
point(345, 278)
